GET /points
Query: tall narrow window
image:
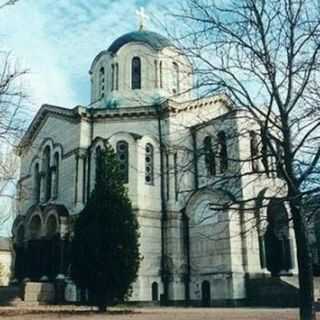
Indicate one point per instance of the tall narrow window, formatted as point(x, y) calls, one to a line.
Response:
point(84, 180)
point(223, 152)
point(168, 175)
point(160, 69)
point(149, 164)
point(156, 84)
point(209, 156)
point(112, 77)
point(101, 82)
point(279, 161)
point(117, 76)
point(265, 150)
point(123, 157)
point(175, 168)
point(254, 151)
point(47, 172)
point(175, 84)
point(37, 183)
point(136, 73)
point(56, 175)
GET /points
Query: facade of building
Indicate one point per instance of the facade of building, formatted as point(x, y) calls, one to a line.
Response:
point(188, 164)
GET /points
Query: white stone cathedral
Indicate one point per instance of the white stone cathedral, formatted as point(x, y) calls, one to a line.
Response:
point(180, 157)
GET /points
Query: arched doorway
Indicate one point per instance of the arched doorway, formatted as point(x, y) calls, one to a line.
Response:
point(277, 241)
point(155, 291)
point(205, 294)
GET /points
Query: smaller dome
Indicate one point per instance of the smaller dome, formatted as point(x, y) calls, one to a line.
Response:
point(155, 40)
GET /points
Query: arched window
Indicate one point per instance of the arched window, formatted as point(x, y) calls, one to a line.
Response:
point(156, 84)
point(155, 291)
point(209, 156)
point(56, 174)
point(160, 69)
point(176, 84)
point(117, 76)
point(47, 173)
point(223, 152)
point(36, 183)
point(254, 151)
point(136, 73)
point(265, 150)
point(149, 164)
point(101, 82)
point(112, 77)
point(123, 157)
point(279, 160)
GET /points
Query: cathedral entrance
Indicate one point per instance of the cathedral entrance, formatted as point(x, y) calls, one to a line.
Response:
point(205, 294)
point(277, 241)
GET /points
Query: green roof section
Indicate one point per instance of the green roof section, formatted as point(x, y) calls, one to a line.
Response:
point(153, 39)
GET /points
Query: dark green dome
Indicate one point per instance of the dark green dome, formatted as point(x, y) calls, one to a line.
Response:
point(153, 39)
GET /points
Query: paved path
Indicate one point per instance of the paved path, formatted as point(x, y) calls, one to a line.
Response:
point(75, 313)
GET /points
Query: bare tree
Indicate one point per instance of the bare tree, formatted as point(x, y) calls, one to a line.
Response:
point(13, 115)
point(265, 56)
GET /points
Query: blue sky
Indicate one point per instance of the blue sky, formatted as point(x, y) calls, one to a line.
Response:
point(57, 40)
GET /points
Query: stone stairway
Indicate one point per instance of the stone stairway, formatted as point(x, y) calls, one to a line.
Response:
point(10, 296)
point(277, 292)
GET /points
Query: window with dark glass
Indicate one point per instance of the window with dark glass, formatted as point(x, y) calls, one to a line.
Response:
point(56, 175)
point(160, 70)
point(101, 82)
point(149, 164)
point(223, 152)
point(254, 151)
point(37, 183)
point(112, 77)
point(136, 73)
point(209, 156)
point(123, 157)
point(265, 151)
point(47, 172)
point(117, 76)
point(176, 83)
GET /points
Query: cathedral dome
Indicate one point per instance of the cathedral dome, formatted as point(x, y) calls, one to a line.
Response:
point(153, 39)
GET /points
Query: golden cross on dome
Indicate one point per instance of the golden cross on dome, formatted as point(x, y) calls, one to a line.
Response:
point(142, 18)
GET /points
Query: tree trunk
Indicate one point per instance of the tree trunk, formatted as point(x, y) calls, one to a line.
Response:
point(306, 295)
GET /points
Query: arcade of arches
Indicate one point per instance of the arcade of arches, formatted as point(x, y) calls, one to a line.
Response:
point(41, 245)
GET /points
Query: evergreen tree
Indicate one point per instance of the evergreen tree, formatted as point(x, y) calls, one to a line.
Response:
point(105, 255)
